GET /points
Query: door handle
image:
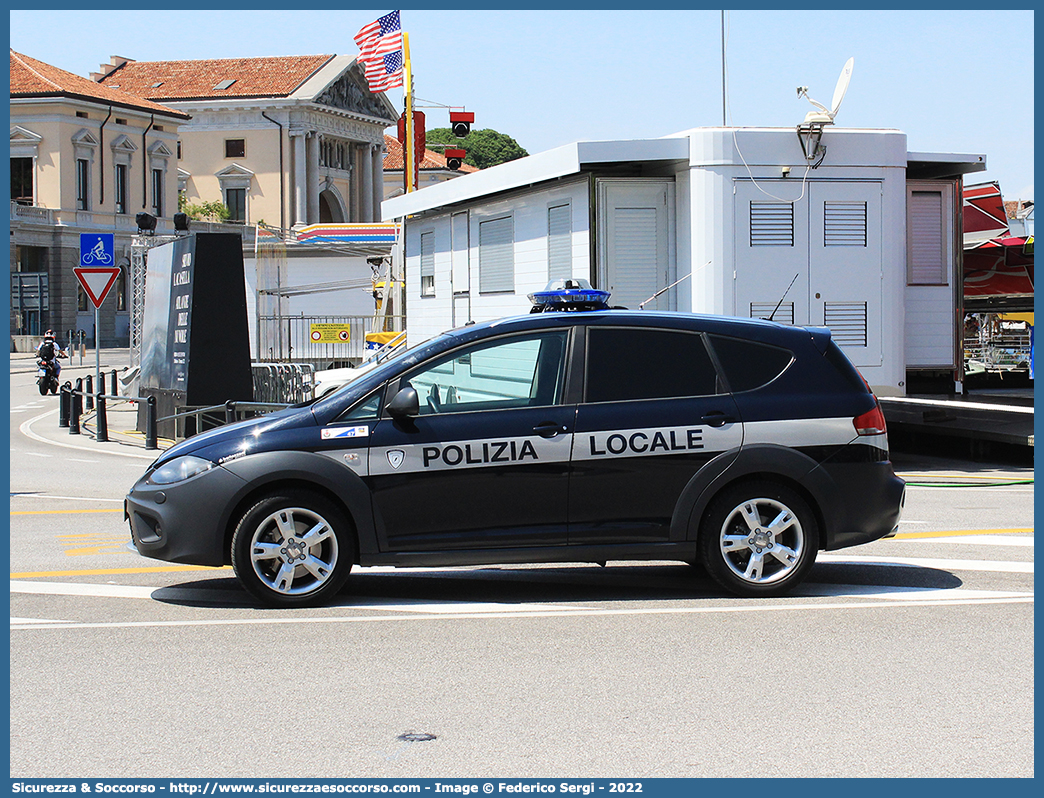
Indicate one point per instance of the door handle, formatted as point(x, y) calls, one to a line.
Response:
point(549, 429)
point(716, 418)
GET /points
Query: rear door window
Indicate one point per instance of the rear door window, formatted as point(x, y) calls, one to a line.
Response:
point(630, 363)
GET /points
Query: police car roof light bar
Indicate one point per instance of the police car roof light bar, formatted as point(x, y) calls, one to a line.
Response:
point(570, 294)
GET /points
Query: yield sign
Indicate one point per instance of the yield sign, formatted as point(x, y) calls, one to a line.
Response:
point(96, 281)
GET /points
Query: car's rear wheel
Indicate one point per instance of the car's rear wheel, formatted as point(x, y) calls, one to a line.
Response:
point(293, 548)
point(759, 539)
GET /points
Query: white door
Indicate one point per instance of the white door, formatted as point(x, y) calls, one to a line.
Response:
point(816, 261)
point(635, 231)
point(845, 269)
point(771, 252)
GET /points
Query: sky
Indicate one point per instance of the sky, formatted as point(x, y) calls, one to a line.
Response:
point(953, 81)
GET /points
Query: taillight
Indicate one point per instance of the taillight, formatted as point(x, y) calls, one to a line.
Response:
point(871, 422)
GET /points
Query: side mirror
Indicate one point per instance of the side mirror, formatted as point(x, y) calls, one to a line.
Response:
point(405, 403)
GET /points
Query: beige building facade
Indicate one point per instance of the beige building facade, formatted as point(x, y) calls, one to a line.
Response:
point(288, 141)
point(84, 159)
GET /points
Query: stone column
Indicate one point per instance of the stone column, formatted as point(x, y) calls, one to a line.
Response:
point(299, 192)
point(312, 176)
point(366, 183)
point(378, 180)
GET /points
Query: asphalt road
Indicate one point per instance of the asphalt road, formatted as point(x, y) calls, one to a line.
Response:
point(911, 657)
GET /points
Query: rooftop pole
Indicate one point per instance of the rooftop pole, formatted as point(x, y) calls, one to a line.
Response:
point(409, 155)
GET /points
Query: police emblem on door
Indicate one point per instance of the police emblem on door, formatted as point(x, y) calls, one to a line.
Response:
point(395, 457)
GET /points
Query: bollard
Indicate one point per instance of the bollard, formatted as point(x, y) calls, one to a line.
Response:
point(150, 423)
point(64, 400)
point(230, 411)
point(89, 394)
point(74, 416)
point(115, 385)
point(102, 432)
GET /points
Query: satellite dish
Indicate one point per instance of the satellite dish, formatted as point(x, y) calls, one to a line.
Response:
point(825, 116)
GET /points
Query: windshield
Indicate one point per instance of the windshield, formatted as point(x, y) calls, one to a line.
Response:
point(358, 387)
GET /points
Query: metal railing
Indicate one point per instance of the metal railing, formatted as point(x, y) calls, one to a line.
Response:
point(294, 338)
point(283, 382)
point(204, 418)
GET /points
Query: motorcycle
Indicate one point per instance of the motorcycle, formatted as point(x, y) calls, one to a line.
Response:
point(47, 376)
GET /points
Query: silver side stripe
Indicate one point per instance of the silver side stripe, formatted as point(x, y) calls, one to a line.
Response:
point(655, 441)
point(641, 442)
point(485, 453)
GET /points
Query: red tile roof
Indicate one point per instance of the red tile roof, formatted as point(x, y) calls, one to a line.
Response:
point(32, 78)
point(276, 76)
point(432, 160)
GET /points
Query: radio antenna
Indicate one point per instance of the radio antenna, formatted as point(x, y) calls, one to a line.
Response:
point(773, 314)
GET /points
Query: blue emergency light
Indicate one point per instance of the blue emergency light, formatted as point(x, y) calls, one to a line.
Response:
point(572, 293)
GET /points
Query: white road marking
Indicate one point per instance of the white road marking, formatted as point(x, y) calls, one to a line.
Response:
point(37, 454)
point(21, 621)
point(981, 540)
point(17, 495)
point(941, 564)
point(26, 429)
point(873, 597)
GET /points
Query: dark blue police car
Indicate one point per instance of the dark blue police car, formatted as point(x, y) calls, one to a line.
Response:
point(555, 437)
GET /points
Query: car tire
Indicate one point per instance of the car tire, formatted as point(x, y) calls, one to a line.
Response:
point(293, 548)
point(759, 538)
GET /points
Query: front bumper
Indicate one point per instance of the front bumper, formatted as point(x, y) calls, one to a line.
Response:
point(185, 522)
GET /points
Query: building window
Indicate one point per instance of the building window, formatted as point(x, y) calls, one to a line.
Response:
point(82, 114)
point(235, 200)
point(179, 150)
point(157, 193)
point(926, 239)
point(83, 182)
point(427, 264)
point(235, 148)
point(496, 255)
point(121, 188)
point(121, 121)
point(559, 242)
point(22, 180)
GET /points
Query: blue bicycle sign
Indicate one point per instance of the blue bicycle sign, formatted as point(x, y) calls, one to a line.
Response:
point(96, 249)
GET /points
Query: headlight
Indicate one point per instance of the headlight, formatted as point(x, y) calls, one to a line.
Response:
point(178, 469)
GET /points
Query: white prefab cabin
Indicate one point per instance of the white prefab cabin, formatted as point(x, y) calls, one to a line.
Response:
point(726, 221)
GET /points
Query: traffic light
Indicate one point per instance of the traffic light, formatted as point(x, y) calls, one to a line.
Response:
point(461, 121)
point(454, 158)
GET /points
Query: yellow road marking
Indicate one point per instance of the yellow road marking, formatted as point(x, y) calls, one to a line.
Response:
point(962, 532)
point(61, 512)
point(113, 571)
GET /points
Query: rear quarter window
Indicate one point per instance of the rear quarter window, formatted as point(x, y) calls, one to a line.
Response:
point(749, 365)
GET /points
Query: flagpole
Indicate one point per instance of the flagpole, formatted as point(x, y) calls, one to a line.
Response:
point(408, 147)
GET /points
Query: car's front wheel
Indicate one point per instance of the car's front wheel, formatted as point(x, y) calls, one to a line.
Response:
point(759, 539)
point(293, 548)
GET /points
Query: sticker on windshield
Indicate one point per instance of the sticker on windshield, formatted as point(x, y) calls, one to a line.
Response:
point(345, 432)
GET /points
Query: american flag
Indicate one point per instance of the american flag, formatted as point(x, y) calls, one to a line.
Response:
point(380, 51)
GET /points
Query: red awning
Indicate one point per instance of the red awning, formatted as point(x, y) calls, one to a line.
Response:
point(984, 216)
point(999, 267)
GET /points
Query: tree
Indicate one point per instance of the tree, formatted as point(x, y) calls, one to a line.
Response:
point(485, 148)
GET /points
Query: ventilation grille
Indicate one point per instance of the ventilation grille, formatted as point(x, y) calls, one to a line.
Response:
point(763, 310)
point(771, 224)
point(844, 224)
point(847, 322)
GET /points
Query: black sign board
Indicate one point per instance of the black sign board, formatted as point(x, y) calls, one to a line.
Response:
point(195, 342)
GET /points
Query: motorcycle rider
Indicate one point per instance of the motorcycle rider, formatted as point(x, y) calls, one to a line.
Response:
point(49, 351)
